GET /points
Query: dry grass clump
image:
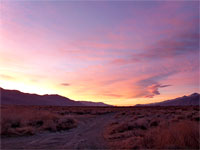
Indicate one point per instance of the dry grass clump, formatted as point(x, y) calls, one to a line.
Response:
point(27, 121)
point(86, 110)
point(180, 135)
point(154, 128)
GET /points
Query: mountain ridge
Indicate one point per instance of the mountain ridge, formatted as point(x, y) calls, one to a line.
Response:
point(193, 99)
point(16, 97)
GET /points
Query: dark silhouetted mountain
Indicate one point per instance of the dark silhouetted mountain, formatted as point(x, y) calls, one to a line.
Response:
point(192, 99)
point(14, 97)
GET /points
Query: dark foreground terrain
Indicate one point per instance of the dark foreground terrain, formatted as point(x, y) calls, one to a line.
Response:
point(56, 127)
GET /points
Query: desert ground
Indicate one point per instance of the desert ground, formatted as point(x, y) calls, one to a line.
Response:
point(57, 127)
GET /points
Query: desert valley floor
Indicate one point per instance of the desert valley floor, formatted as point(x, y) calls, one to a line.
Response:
point(53, 127)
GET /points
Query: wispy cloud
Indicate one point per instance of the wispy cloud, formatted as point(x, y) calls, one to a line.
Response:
point(65, 84)
point(8, 77)
point(167, 48)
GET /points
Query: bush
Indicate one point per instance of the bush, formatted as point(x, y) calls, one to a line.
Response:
point(22, 121)
point(184, 134)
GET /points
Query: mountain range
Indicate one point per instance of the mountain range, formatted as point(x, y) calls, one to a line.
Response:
point(193, 99)
point(15, 97)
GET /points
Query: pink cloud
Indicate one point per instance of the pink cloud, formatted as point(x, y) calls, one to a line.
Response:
point(8, 77)
point(152, 90)
point(65, 84)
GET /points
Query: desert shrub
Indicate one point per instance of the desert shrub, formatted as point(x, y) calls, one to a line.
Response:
point(22, 121)
point(197, 118)
point(162, 128)
point(24, 131)
point(140, 116)
point(65, 124)
point(183, 135)
point(123, 128)
point(116, 127)
point(154, 123)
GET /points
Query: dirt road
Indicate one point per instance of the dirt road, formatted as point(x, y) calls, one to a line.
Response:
point(88, 135)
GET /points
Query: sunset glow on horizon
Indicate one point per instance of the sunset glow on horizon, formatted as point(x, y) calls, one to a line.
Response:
point(119, 53)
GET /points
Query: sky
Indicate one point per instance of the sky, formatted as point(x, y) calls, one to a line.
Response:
point(117, 52)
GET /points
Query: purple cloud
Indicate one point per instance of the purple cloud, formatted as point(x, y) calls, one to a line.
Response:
point(152, 90)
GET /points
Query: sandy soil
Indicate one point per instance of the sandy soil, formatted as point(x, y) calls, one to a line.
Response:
point(88, 135)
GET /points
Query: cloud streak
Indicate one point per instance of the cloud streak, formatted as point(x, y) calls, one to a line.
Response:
point(166, 48)
point(8, 77)
point(65, 84)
